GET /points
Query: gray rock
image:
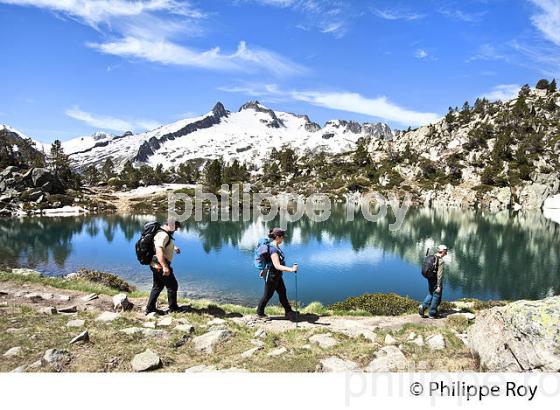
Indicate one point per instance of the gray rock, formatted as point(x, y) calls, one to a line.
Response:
point(20, 369)
point(64, 298)
point(107, 317)
point(145, 361)
point(201, 368)
point(68, 309)
point(50, 310)
point(466, 315)
point(90, 297)
point(260, 333)
point(14, 351)
point(257, 342)
point(521, 336)
point(56, 358)
point(324, 340)
point(216, 321)
point(208, 341)
point(388, 359)
point(76, 323)
point(277, 352)
point(166, 321)
point(249, 353)
point(436, 342)
point(390, 340)
point(82, 337)
point(335, 364)
point(121, 303)
point(149, 325)
point(185, 327)
point(143, 331)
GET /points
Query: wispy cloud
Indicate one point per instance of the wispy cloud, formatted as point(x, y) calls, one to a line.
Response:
point(396, 14)
point(379, 107)
point(460, 15)
point(169, 53)
point(326, 16)
point(110, 123)
point(150, 30)
point(547, 20)
point(503, 92)
point(487, 52)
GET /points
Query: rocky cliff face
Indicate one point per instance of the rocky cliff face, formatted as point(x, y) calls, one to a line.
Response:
point(493, 155)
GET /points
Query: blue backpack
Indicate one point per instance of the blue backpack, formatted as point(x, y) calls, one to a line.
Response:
point(262, 254)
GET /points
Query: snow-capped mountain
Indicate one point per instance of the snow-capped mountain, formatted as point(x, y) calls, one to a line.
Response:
point(247, 135)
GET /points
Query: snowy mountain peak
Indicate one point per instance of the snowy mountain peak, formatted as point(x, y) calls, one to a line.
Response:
point(219, 110)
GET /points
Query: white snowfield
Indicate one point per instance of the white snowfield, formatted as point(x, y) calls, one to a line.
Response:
point(248, 135)
point(152, 189)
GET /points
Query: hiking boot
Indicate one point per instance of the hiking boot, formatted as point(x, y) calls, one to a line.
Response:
point(421, 310)
point(158, 312)
point(436, 316)
point(291, 315)
point(262, 316)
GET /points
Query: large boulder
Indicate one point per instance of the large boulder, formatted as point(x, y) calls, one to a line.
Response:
point(521, 336)
point(206, 342)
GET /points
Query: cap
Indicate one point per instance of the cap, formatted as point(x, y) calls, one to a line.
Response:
point(173, 222)
point(278, 232)
point(442, 248)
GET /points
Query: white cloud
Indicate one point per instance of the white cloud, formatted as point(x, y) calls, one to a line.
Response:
point(548, 19)
point(94, 12)
point(503, 92)
point(487, 52)
point(421, 54)
point(378, 107)
point(149, 30)
point(169, 53)
point(397, 14)
point(110, 123)
point(456, 14)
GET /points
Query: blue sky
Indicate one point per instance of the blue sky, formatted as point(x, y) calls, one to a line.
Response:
point(71, 67)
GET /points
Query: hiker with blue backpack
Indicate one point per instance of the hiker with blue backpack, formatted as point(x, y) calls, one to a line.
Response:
point(432, 270)
point(270, 259)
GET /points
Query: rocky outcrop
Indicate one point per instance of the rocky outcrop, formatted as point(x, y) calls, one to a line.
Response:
point(522, 336)
point(35, 185)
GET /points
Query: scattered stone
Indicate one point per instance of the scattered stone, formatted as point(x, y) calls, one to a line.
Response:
point(216, 322)
point(336, 364)
point(187, 328)
point(388, 359)
point(233, 370)
point(436, 342)
point(68, 309)
point(121, 303)
point(50, 310)
point(166, 321)
point(14, 351)
point(206, 342)
point(107, 316)
point(182, 341)
point(82, 337)
point(260, 333)
point(56, 358)
point(34, 297)
point(200, 369)
point(390, 340)
point(411, 337)
point(150, 325)
point(76, 323)
point(20, 369)
point(257, 342)
point(306, 347)
point(90, 297)
point(324, 340)
point(145, 361)
point(247, 354)
point(47, 296)
point(277, 352)
point(463, 338)
point(467, 315)
point(36, 365)
point(151, 315)
point(64, 298)
point(418, 341)
point(143, 332)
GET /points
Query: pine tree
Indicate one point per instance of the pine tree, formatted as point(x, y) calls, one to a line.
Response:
point(361, 155)
point(91, 175)
point(552, 86)
point(213, 175)
point(108, 169)
point(59, 163)
point(542, 85)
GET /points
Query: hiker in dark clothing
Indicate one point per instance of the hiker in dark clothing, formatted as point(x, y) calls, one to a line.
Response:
point(273, 277)
point(435, 287)
point(161, 268)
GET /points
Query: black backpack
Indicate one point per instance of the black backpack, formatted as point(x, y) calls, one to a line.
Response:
point(145, 249)
point(430, 267)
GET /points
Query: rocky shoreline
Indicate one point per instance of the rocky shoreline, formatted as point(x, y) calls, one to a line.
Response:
point(70, 325)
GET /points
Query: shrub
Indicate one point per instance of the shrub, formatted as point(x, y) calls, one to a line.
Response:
point(103, 278)
point(378, 304)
